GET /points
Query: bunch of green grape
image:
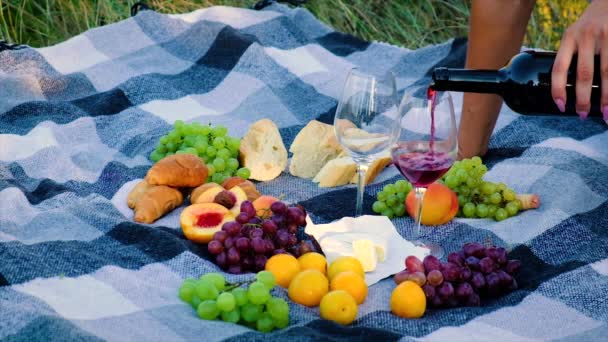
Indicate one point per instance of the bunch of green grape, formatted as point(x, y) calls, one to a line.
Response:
point(479, 198)
point(212, 144)
point(213, 298)
point(391, 200)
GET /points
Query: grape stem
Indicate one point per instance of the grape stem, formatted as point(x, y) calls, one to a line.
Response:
point(232, 286)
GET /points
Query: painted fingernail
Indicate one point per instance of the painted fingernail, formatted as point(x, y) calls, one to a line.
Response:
point(605, 112)
point(583, 114)
point(560, 105)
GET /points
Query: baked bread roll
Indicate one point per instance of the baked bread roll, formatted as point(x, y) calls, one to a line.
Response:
point(314, 146)
point(343, 170)
point(262, 151)
point(136, 193)
point(182, 170)
point(156, 202)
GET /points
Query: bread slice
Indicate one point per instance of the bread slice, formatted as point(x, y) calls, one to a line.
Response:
point(312, 148)
point(374, 169)
point(262, 151)
point(336, 172)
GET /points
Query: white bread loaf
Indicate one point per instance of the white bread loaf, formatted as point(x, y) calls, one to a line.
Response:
point(312, 148)
point(262, 151)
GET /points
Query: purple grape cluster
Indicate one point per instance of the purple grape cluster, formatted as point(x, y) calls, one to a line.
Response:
point(246, 244)
point(468, 275)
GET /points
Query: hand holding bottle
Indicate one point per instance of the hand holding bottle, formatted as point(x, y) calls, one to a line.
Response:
point(586, 37)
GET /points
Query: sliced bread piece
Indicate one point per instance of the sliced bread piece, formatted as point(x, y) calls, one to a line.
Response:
point(262, 151)
point(312, 148)
point(336, 172)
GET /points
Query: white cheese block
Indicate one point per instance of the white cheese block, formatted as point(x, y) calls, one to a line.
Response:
point(341, 244)
point(365, 252)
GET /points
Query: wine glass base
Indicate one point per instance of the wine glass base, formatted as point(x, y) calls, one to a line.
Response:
point(434, 249)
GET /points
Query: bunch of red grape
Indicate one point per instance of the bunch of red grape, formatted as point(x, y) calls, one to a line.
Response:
point(468, 275)
point(246, 244)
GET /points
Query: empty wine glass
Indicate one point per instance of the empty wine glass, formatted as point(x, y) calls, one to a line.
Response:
point(427, 147)
point(366, 122)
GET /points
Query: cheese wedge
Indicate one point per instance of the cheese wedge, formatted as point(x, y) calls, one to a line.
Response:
point(365, 252)
point(341, 244)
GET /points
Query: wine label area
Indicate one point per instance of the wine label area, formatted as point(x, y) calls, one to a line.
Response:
point(179, 177)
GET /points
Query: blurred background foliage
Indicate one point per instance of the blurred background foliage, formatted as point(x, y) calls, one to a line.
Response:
point(411, 24)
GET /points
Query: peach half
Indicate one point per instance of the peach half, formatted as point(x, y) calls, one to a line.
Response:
point(439, 206)
point(201, 220)
point(262, 206)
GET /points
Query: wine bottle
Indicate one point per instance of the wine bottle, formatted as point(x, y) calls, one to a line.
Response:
point(524, 84)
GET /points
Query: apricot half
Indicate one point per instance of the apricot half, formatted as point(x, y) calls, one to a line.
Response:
point(201, 220)
point(439, 206)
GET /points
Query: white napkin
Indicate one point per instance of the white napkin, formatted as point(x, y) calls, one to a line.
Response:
point(397, 248)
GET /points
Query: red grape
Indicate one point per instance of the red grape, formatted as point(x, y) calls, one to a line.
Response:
point(235, 269)
point(304, 247)
point(465, 273)
point(505, 278)
point(474, 249)
point(269, 246)
point(255, 221)
point(242, 218)
point(401, 277)
point(451, 302)
point(486, 265)
point(282, 237)
point(278, 208)
point(259, 245)
point(464, 290)
point(294, 215)
point(260, 262)
point(242, 244)
point(279, 220)
point(472, 262)
point(446, 290)
point(220, 236)
point(279, 251)
point(215, 247)
point(455, 258)
point(247, 263)
point(429, 291)
point(413, 264)
point(292, 228)
point(473, 300)
point(436, 301)
point(502, 256)
point(233, 256)
point(434, 277)
point(292, 240)
point(256, 233)
point(248, 209)
point(513, 266)
point(451, 272)
point(493, 281)
point(228, 243)
point(431, 263)
point(221, 261)
point(232, 228)
point(478, 281)
point(418, 278)
point(269, 227)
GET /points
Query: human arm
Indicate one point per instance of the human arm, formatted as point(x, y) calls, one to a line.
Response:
point(496, 32)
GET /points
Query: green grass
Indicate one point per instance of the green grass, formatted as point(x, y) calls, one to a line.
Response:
point(411, 24)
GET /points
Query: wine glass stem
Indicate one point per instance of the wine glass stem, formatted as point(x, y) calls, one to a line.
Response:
point(361, 171)
point(419, 192)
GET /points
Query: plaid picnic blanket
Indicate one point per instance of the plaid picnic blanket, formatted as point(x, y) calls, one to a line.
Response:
point(79, 119)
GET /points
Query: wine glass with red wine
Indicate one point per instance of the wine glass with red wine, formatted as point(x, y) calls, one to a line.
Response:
point(367, 121)
point(427, 147)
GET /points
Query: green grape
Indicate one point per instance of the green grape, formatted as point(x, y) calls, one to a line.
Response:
point(281, 323)
point(258, 293)
point(240, 295)
point(379, 206)
point(495, 198)
point(512, 208)
point(488, 188)
point(233, 316)
point(186, 291)
point(226, 301)
point(463, 190)
point(182, 147)
point(210, 170)
point(189, 130)
point(219, 131)
point(476, 161)
point(205, 130)
point(392, 200)
point(155, 156)
point(518, 203)
point(169, 154)
point(472, 182)
point(451, 181)
point(201, 147)
point(191, 281)
point(233, 143)
point(492, 210)
point(232, 164)
point(388, 212)
point(390, 189)
point(161, 149)
point(164, 139)
point(243, 173)
point(402, 185)
point(251, 312)
point(462, 175)
point(191, 150)
point(509, 195)
point(278, 308)
point(223, 153)
point(399, 209)
point(174, 137)
point(501, 214)
point(171, 147)
point(195, 301)
point(401, 196)
point(219, 164)
point(218, 178)
point(219, 143)
point(381, 196)
point(265, 323)
point(179, 124)
point(266, 278)
point(469, 210)
point(217, 279)
point(482, 170)
point(211, 151)
point(481, 210)
point(462, 200)
point(206, 290)
point(208, 310)
point(190, 140)
point(501, 187)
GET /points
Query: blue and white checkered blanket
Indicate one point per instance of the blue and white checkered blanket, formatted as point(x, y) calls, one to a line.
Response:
point(79, 119)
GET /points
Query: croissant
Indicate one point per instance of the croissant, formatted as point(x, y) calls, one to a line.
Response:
point(182, 170)
point(136, 193)
point(156, 202)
